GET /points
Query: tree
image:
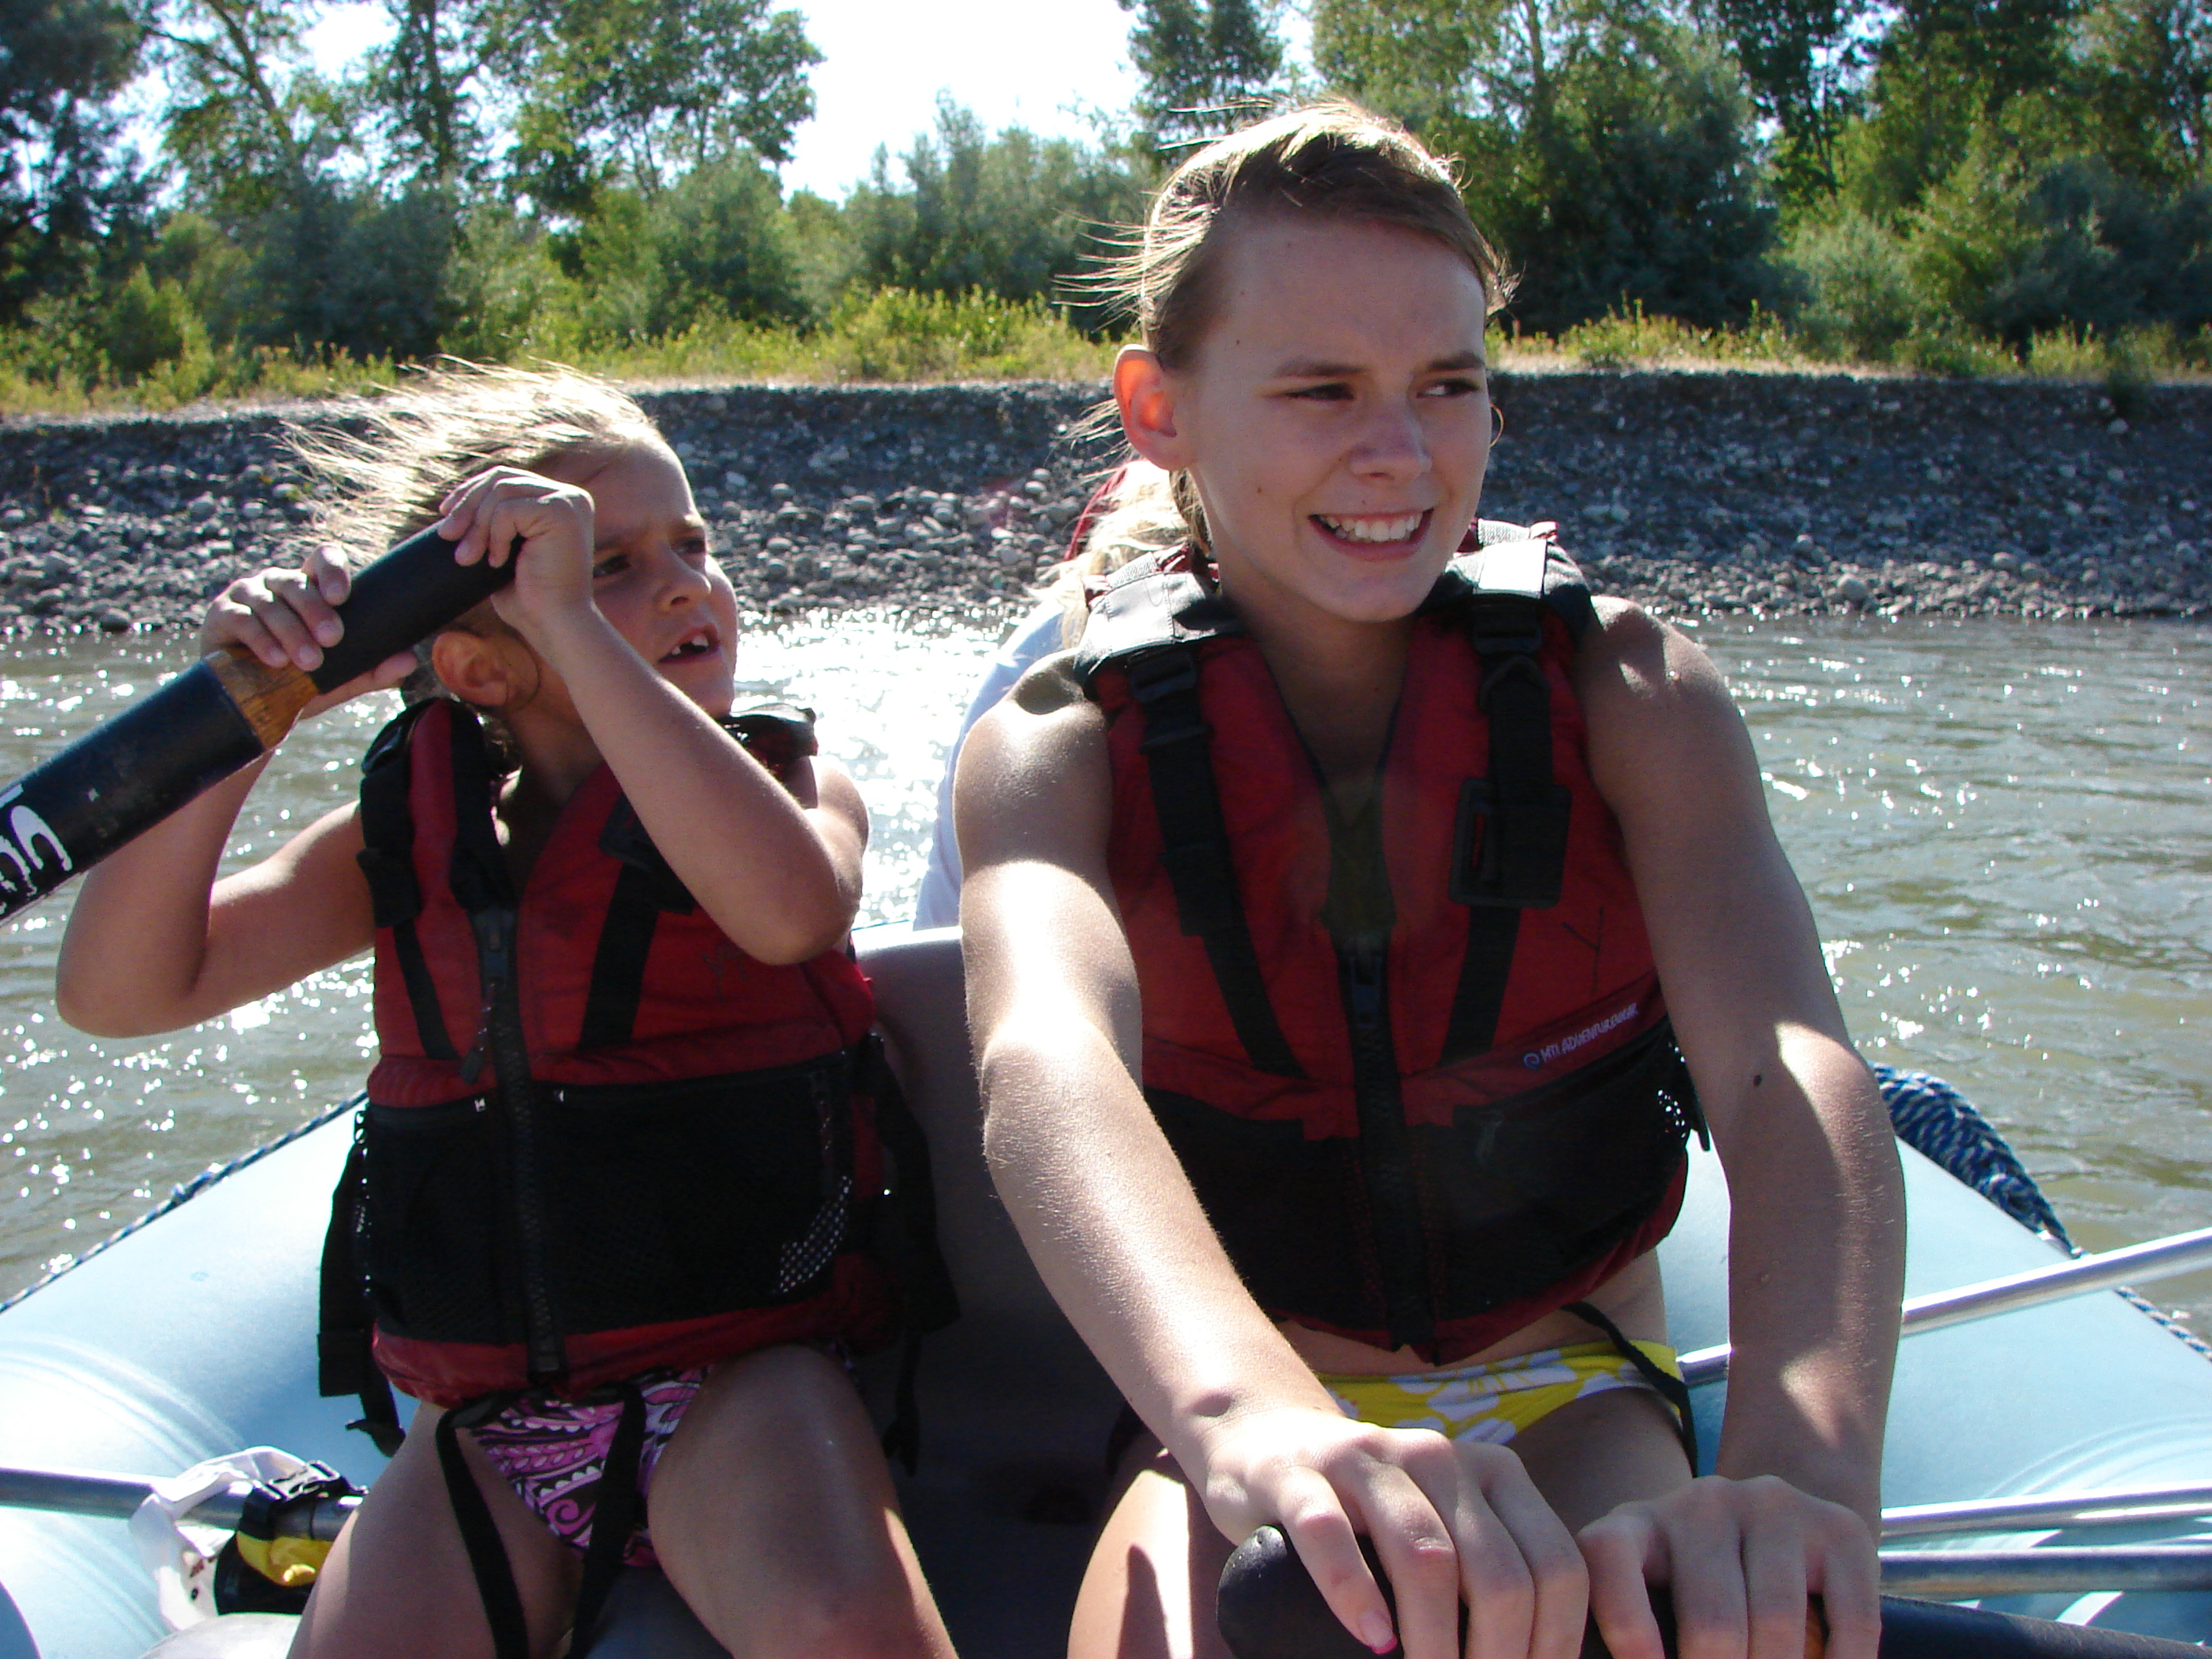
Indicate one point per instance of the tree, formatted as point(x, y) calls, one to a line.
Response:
point(647, 88)
point(248, 120)
point(1014, 216)
point(424, 86)
point(63, 185)
point(1804, 62)
point(1200, 58)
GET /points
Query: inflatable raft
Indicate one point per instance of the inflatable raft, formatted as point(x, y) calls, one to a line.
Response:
point(194, 1335)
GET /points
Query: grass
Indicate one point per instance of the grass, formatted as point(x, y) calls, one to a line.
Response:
point(895, 335)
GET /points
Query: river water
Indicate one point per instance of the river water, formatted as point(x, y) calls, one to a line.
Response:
point(2001, 826)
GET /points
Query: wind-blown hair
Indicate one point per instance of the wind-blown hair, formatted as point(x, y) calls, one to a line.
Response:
point(387, 479)
point(1330, 161)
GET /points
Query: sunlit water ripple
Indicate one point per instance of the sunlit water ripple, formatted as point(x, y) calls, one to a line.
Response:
point(2001, 825)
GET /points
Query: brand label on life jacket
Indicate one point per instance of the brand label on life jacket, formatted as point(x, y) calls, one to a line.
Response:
point(1537, 1057)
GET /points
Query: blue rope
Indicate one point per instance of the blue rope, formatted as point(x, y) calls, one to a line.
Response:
point(1936, 1120)
point(184, 1191)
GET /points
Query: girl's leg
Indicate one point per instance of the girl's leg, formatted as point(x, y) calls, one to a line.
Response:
point(1598, 1453)
point(397, 1580)
point(1149, 1591)
point(773, 1515)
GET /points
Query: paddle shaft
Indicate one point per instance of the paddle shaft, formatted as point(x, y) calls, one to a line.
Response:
point(225, 712)
point(2161, 1258)
point(1268, 1607)
point(117, 1496)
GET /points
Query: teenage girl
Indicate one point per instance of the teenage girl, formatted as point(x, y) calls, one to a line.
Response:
point(678, 1312)
point(1318, 910)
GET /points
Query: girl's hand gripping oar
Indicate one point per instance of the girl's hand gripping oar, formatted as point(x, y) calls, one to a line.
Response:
point(130, 772)
point(1268, 1608)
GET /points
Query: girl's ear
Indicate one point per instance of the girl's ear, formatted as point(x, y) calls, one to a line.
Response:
point(1147, 396)
point(476, 669)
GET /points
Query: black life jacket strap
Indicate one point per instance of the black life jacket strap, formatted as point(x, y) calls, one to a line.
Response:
point(1509, 846)
point(345, 1361)
point(618, 963)
point(488, 1562)
point(1194, 846)
point(1668, 1386)
point(615, 1511)
point(387, 859)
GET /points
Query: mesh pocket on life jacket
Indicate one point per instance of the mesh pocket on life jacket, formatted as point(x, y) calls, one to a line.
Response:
point(1514, 1196)
point(1529, 1189)
point(432, 1243)
point(662, 1201)
point(689, 1199)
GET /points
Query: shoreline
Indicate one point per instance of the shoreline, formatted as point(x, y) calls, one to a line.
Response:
point(1710, 492)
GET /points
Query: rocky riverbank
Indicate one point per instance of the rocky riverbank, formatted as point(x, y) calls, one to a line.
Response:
point(1779, 494)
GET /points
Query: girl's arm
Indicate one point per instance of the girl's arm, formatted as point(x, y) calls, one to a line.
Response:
point(777, 868)
point(155, 942)
point(1817, 1229)
point(1119, 1237)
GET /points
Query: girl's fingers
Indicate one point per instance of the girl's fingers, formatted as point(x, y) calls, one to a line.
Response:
point(1556, 1568)
point(1625, 1552)
point(1713, 1616)
point(1774, 1575)
point(1849, 1578)
point(327, 568)
point(298, 590)
point(1314, 1521)
point(1425, 1561)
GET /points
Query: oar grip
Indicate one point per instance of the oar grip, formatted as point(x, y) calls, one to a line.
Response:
point(407, 595)
point(1268, 1607)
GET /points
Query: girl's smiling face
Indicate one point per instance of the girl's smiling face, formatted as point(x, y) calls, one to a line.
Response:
point(1335, 418)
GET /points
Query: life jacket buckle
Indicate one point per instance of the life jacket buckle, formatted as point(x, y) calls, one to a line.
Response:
point(1159, 674)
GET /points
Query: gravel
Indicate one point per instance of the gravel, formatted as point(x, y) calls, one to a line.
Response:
point(1780, 494)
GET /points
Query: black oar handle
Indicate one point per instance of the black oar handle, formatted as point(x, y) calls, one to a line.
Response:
point(406, 596)
point(128, 774)
point(1269, 1607)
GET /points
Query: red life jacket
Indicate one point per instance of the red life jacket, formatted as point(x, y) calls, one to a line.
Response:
point(599, 1136)
point(1426, 1137)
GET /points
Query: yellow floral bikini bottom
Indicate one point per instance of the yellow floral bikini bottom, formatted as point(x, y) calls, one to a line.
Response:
point(1495, 1401)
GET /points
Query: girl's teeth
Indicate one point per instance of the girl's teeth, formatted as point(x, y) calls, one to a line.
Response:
point(1375, 530)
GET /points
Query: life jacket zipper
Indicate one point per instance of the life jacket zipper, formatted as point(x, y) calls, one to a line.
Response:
point(1385, 1145)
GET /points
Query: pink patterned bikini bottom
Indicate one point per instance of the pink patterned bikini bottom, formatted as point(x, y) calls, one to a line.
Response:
point(554, 1452)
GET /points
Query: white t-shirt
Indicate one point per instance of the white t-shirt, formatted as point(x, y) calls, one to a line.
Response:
point(1037, 636)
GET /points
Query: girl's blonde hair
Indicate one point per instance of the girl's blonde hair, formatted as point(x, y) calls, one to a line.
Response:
point(1138, 516)
point(386, 479)
point(1333, 160)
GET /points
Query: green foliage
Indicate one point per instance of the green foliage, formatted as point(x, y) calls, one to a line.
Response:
point(650, 89)
point(1013, 215)
point(895, 334)
point(1199, 60)
point(2014, 252)
point(1634, 184)
point(147, 324)
point(1855, 282)
point(65, 189)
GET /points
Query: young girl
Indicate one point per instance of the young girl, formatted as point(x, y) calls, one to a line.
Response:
point(1317, 912)
point(618, 1137)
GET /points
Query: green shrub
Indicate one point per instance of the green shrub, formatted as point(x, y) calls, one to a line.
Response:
point(145, 324)
point(1855, 298)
